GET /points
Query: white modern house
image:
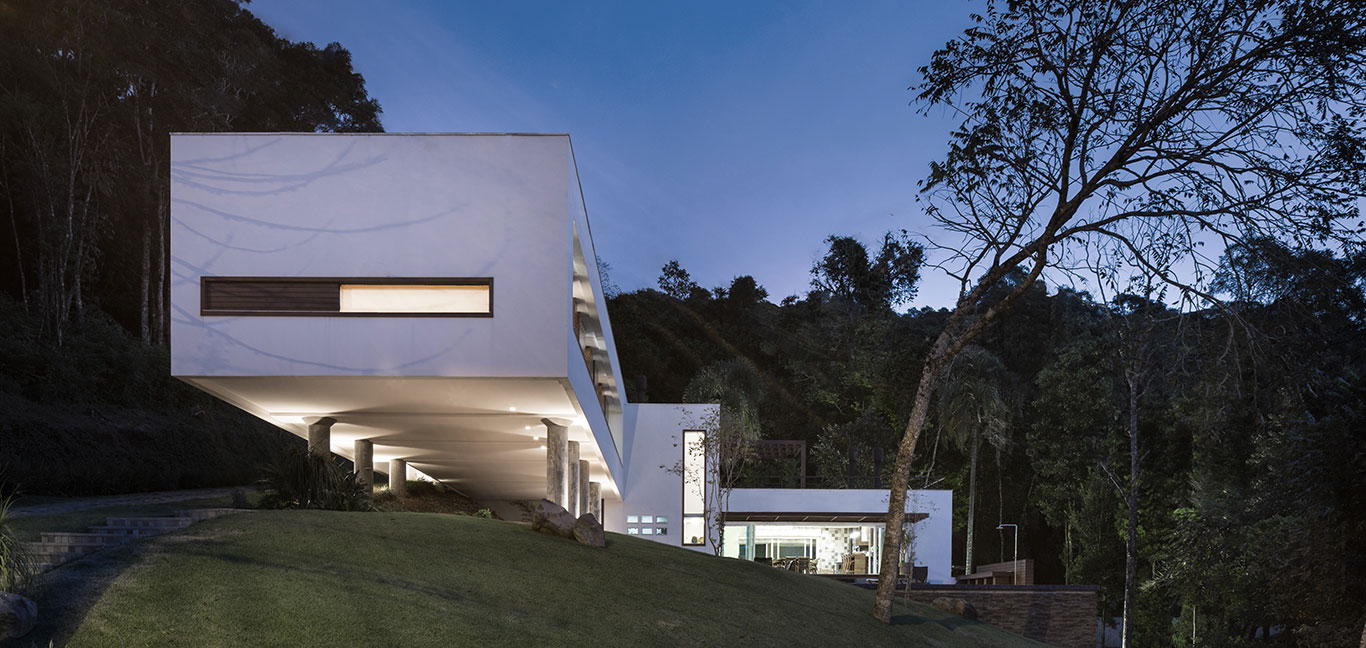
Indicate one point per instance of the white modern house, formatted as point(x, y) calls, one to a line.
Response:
point(429, 306)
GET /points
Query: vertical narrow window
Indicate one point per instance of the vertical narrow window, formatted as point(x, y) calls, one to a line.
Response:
point(694, 487)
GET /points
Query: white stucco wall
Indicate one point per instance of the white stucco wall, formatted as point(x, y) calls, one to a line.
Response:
point(300, 205)
point(653, 439)
point(932, 538)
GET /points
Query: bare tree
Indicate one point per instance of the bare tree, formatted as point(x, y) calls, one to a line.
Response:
point(727, 446)
point(725, 449)
point(1134, 318)
point(1131, 121)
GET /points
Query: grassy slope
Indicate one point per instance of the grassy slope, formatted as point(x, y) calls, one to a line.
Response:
point(409, 579)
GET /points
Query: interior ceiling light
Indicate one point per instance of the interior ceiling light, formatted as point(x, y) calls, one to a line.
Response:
point(512, 409)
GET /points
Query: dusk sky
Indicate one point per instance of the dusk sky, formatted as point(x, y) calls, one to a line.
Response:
point(732, 136)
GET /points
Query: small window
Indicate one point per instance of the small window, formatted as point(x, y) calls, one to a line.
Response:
point(632, 531)
point(661, 530)
point(660, 519)
point(647, 519)
point(632, 519)
point(694, 531)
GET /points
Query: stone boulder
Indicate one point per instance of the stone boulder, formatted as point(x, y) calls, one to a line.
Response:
point(955, 606)
point(551, 518)
point(587, 530)
point(17, 615)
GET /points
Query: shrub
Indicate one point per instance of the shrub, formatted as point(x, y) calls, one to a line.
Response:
point(239, 499)
point(17, 567)
point(299, 479)
point(484, 513)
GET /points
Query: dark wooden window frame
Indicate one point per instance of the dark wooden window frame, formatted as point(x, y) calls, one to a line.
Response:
point(206, 282)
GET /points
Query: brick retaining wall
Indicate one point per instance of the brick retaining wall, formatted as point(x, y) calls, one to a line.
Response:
point(1058, 615)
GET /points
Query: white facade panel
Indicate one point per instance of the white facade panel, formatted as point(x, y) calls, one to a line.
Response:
point(373, 206)
point(654, 449)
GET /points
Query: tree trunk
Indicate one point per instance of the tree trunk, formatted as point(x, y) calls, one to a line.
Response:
point(144, 285)
point(896, 505)
point(1067, 551)
point(972, 504)
point(1131, 535)
point(160, 313)
point(951, 340)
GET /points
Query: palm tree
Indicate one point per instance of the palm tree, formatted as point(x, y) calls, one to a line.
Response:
point(972, 406)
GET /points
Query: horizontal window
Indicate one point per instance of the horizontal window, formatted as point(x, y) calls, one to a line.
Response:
point(363, 298)
point(347, 296)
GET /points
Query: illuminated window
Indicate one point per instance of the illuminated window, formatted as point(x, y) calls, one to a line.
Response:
point(694, 487)
point(694, 531)
point(400, 298)
point(653, 520)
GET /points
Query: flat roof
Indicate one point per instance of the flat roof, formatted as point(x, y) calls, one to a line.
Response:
point(841, 518)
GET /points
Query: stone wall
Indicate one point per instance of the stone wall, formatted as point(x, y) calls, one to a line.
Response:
point(1058, 615)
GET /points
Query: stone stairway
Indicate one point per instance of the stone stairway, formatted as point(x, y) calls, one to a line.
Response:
point(56, 547)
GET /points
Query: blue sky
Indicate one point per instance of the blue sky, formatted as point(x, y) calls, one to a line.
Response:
point(732, 136)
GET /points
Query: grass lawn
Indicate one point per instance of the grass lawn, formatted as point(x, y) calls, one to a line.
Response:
point(313, 578)
point(28, 528)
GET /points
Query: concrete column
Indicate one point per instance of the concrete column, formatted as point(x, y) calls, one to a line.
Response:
point(572, 494)
point(320, 435)
point(583, 487)
point(398, 477)
point(556, 462)
point(595, 500)
point(365, 463)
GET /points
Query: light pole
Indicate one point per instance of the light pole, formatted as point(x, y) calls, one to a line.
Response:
point(1015, 572)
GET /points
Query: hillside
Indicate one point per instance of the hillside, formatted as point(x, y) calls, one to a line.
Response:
point(309, 578)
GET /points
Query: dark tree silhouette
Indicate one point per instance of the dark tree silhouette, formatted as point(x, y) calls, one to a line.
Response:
point(1091, 129)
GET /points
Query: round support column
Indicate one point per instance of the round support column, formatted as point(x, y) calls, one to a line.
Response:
point(572, 495)
point(556, 461)
point(365, 463)
point(320, 435)
point(398, 477)
point(595, 500)
point(583, 488)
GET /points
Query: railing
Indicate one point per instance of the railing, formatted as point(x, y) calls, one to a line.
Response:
point(588, 361)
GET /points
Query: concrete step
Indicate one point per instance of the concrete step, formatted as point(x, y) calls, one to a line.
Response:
point(55, 552)
point(74, 538)
point(57, 547)
point(127, 532)
point(150, 522)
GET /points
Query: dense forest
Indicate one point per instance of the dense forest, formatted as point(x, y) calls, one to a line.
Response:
point(89, 93)
point(1252, 488)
